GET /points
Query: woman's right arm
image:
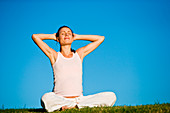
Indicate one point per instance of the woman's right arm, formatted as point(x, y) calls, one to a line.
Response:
point(38, 39)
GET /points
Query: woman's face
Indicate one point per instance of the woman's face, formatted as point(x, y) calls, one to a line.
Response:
point(65, 36)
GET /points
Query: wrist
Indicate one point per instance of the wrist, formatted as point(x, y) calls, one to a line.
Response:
point(53, 36)
point(76, 37)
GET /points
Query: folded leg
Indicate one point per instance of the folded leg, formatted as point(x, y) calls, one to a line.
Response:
point(51, 102)
point(96, 100)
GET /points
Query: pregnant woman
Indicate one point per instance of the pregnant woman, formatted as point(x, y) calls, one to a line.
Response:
point(67, 71)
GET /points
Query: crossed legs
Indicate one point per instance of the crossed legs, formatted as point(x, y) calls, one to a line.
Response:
point(51, 102)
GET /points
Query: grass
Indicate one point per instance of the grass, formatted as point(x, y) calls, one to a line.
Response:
point(156, 108)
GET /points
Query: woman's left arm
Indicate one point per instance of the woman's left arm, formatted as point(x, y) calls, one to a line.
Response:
point(95, 39)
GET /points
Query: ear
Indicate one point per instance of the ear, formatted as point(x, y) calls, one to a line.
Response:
point(57, 39)
point(73, 36)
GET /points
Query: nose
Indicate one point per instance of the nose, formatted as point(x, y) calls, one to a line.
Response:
point(66, 34)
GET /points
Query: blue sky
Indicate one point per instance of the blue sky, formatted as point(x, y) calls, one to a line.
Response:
point(133, 61)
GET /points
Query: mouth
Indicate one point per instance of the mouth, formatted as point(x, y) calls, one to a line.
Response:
point(66, 38)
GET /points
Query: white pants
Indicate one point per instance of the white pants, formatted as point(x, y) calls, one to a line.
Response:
point(51, 102)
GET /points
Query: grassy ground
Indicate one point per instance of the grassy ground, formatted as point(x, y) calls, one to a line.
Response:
point(156, 108)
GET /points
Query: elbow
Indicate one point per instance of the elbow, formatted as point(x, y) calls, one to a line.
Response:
point(33, 36)
point(102, 38)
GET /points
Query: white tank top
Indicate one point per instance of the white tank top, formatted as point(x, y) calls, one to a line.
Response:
point(68, 75)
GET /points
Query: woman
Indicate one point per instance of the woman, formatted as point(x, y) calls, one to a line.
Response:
point(67, 70)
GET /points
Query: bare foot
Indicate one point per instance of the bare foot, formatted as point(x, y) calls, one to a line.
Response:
point(65, 107)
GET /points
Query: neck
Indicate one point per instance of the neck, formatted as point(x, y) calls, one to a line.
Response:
point(66, 50)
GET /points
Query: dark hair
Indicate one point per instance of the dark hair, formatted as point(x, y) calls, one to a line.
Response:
point(57, 34)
